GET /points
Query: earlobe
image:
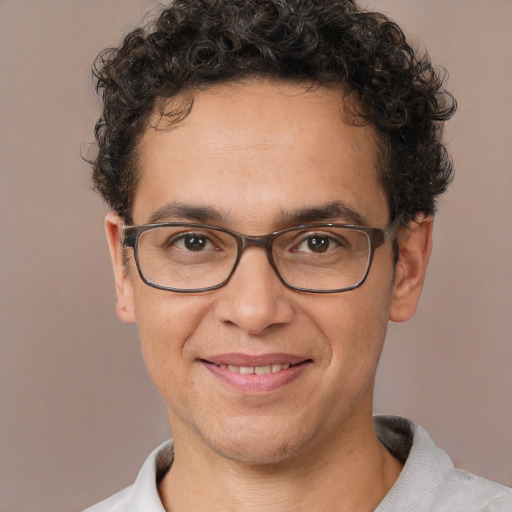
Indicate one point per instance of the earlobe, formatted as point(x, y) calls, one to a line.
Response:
point(124, 289)
point(415, 245)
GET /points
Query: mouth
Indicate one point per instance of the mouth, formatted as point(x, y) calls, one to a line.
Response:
point(258, 370)
point(256, 374)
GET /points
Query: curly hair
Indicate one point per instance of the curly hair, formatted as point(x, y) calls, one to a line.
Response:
point(194, 44)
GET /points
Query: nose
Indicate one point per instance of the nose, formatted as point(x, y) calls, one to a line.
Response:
point(254, 299)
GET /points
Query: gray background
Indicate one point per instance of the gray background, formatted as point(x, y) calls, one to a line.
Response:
point(78, 413)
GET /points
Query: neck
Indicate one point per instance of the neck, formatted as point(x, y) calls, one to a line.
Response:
point(354, 473)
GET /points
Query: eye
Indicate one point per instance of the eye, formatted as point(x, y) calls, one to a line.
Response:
point(194, 242)
point(317, 243)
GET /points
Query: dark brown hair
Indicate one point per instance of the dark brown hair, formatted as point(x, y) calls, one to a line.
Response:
point(197, 43)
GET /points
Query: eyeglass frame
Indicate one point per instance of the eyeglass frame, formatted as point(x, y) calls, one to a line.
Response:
point(376, 236)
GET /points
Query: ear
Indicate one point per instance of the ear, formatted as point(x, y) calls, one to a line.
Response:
point(415, 245)
point(124, 289)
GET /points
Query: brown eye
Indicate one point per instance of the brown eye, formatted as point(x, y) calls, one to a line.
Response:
point(318, 243)
point(195, 242)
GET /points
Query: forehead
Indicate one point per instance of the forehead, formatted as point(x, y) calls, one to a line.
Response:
point(253, 150)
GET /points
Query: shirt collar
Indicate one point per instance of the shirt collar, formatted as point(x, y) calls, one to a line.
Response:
point(144, 496)
point(406, 440)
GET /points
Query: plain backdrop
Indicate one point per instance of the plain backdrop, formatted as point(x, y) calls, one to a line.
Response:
point(78, 415)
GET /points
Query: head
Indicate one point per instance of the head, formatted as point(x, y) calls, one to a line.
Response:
point(256, 117)
point(195, 45)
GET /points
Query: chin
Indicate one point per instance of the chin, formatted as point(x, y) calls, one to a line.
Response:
point(249, 445)
point(256, 454)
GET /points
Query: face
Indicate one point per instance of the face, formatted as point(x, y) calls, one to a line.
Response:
point(248, 158)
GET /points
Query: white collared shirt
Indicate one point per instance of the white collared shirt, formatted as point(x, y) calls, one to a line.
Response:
point(427, 483)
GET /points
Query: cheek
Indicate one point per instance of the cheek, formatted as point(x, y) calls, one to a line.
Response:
point(166, 322)
point(355, 324)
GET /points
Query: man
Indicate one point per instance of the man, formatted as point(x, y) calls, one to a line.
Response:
point(273, 169)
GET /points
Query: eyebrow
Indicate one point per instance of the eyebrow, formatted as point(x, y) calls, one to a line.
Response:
point(335, 210)
point(176, 210)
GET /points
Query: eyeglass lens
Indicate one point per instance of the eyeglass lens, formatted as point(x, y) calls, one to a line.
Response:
point(181, 258)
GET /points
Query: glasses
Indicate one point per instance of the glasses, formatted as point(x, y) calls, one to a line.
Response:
point(192, 258)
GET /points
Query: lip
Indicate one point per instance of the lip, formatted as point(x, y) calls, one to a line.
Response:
point(237, 359)
point(255, 383)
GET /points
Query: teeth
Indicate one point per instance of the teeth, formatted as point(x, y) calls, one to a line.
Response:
point(259, 370)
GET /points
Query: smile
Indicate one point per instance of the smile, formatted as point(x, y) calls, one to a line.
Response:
point(256, 374)
point(258, 370)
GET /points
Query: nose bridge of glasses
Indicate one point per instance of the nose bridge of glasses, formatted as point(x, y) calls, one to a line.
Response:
point(263, 242)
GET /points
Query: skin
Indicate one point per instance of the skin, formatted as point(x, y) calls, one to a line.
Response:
point(253, 152)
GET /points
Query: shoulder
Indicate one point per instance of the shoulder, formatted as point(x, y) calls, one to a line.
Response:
point(116, 503)
point(464, 491)
point(429, 482)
